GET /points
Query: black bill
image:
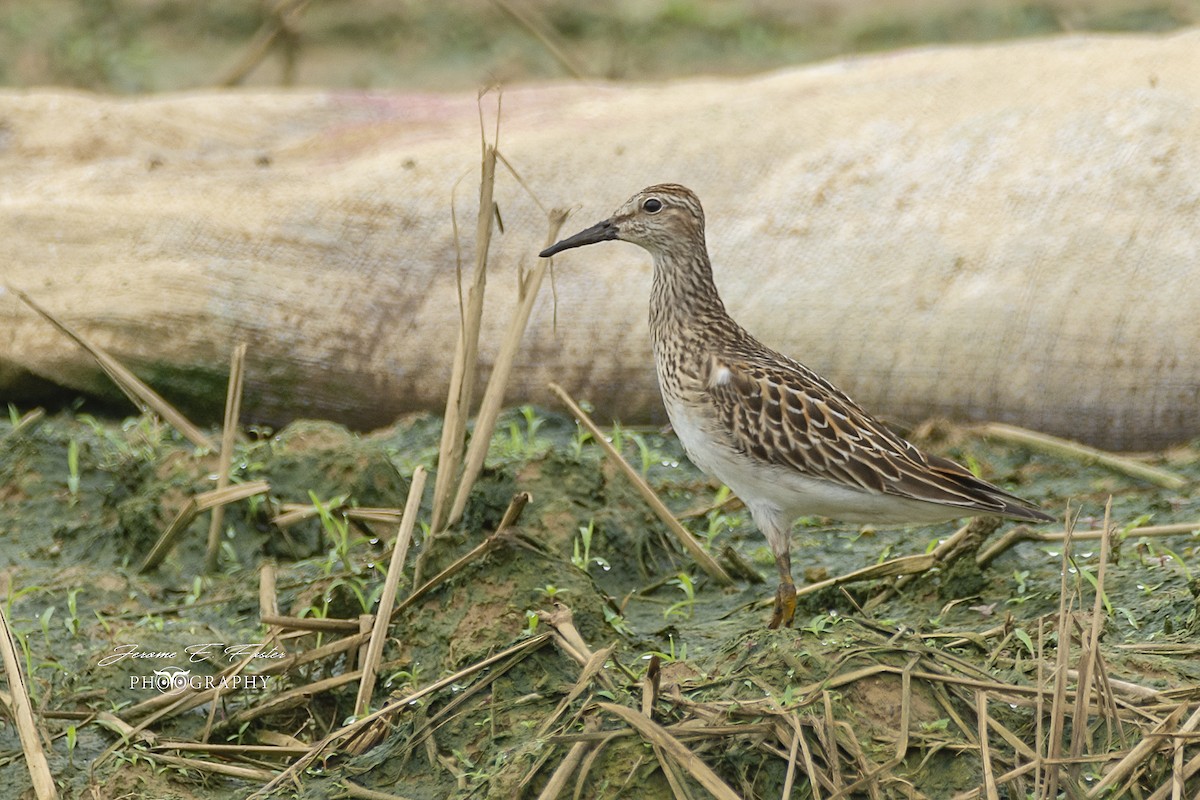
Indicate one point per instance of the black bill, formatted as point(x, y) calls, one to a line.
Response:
point(600, 232)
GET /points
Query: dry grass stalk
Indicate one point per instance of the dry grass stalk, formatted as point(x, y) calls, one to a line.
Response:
point(685, 538)
point(23, 716)
point(296, 697)
point(524, 647)
point(385, 516)
point(947, 551)
point(681, 730)
point(282, 751)
point(352, 789)
point(233, 411)
point(111, 722)
point(466, 353)
point(1180, 774)
point(1022, 533)
point(212, 767)
point(590, 670)
point(383, 615)
point(192, 509)
point(1058, 704)
point(1082, 453)
point(316, 624)
point(493, 396)
point(533, 22)
point(656, 735)
point(590, 761)
point(566, 635)
point(990, 788)
point(268, 599)
point(281, 25)
point(138, 392)
point(789, 778)
point(423, 732)
point(650, 685)
point(904, 565)
point(563, 772)
point(187, 701)
point(511, 514)
point(816, 778)
point(291, 513)
point(1089, 656)
point(26, 422)
point(1142, 750)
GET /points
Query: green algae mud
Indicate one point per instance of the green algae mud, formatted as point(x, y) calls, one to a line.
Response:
point(876, 689)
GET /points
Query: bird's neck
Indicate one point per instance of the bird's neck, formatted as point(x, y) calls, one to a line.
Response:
point(683, 298)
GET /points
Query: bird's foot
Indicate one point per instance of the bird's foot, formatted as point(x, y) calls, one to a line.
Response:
point(785, 606)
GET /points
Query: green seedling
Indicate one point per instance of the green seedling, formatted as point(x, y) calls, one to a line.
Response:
point(72, 622)
point(550, 591)
point(73, 470)
point(686, 606)
point(617, 622)
point(581, 555)
point(670, 655)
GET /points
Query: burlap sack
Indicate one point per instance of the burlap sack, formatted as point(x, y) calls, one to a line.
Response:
point(1003, 232)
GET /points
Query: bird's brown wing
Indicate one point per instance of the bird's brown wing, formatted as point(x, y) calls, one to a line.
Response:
point(779, 412)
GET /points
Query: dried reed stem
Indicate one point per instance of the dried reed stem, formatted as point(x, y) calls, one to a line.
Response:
point(658, 736)
point(1133, 760)
point(1058, 705)
point(283, 751)
point(562, 773)
point(406, 701)
point(466, 352)
point(138, 392)
point(1082, 453)
point(191, 509)
point(493, 396)
point(589, 671)
point(212, 767)
point(685, 538)
point(352, 789)
point(317, 624)
point(538, 28)
point(1021, 533)
point(233, 410)
point(280, 26)
point(26, 722)
point(268, 600)
point(515, 507)
point(990, 789)
point(1089, 656)
point(383, 615)
point(904, 565)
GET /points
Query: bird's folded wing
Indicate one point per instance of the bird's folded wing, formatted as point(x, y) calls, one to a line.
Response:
point(780, 412)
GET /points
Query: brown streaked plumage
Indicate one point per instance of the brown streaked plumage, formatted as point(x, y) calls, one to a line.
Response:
point(786, 440)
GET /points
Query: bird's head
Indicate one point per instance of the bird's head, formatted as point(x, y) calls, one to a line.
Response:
point(657, 218)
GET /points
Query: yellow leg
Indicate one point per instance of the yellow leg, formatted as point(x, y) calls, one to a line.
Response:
point(785, 595)
point(785, 605)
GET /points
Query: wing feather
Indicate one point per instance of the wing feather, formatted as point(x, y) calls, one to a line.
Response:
point(777, 411)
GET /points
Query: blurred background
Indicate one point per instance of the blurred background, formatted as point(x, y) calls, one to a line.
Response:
point(128, 46)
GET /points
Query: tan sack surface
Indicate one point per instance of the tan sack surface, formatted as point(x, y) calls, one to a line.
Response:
point(1006, 232)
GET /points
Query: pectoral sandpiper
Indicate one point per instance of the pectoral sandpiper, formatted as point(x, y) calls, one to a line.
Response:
point(785, 440)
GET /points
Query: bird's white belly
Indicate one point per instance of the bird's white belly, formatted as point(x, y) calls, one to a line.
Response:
point(785, 491)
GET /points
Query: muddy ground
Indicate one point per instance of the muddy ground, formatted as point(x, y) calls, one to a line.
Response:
point(884, 693)
point(82, 500)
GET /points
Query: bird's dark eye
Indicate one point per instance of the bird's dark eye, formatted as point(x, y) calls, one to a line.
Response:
point(653, 205)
